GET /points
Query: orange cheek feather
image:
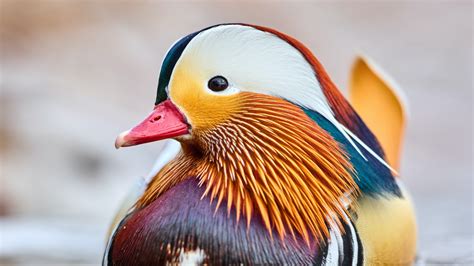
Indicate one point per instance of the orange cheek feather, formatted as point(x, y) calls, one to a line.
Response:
point(203, 109)
point(264, 156)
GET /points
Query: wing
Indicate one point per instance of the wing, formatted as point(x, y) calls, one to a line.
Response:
point(381, 104)
point(387, 226)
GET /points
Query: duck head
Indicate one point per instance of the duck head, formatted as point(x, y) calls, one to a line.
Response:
point(238, 98)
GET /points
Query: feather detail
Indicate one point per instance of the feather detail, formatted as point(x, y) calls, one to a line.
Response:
point(277, 163)
point(344, 117)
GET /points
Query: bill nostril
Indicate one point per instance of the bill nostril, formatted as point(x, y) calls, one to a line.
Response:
point(156, 118)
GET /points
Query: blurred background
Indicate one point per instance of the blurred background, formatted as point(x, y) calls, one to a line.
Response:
point(75, 74)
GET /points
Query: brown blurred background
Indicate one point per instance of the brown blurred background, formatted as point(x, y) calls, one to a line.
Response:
point(75, 74)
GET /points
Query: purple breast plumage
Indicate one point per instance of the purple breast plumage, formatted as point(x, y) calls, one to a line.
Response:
point(179, 223)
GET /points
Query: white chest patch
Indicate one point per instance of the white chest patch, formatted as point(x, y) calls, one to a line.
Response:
point(192, 257)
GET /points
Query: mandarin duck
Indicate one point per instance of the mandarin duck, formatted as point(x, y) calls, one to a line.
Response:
point(269, 163)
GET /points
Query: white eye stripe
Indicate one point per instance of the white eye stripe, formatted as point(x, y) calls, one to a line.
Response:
point(260, 62)
point(256, 61)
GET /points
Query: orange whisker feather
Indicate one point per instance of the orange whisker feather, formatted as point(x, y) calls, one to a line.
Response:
point(270, 158)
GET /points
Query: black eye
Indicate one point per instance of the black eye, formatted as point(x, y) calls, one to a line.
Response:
point(218, 83)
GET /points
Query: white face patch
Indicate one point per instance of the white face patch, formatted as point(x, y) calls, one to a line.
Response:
point(255, 61)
